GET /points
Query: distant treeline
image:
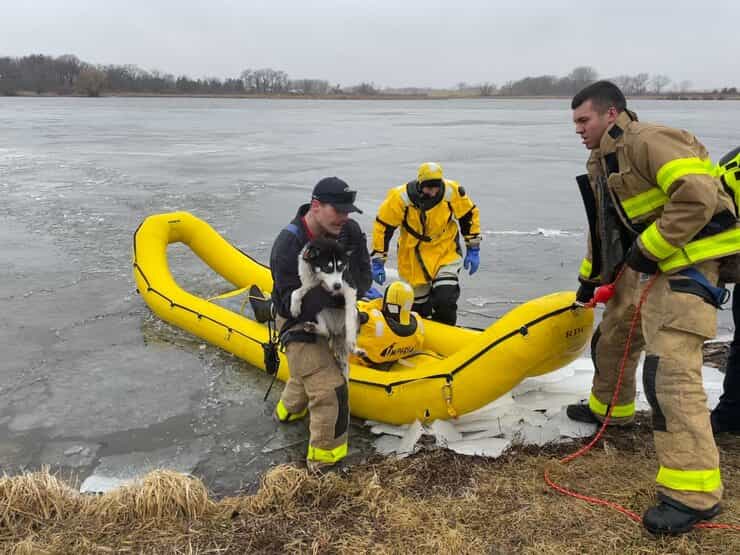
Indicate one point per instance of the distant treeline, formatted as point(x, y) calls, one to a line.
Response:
point(67, 75)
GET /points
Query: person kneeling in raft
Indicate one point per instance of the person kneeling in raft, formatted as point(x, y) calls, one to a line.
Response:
point(389, 330)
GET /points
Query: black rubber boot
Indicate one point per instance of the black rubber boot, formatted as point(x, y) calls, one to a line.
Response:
point(726, 415)
point(581, 413)
point(671, 517)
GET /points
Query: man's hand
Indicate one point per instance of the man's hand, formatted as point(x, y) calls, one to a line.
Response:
point(637, 260)
point(472, 259)
point(585, 293)
point(378, 265)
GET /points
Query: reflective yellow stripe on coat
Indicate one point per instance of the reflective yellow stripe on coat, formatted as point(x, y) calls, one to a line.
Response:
point(715, 246)
point(644, 203)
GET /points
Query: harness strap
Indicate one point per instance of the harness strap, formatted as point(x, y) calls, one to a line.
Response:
point(292, 228)
point(718, 294)
point(415, 234)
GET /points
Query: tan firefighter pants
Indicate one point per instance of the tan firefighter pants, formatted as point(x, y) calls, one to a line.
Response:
point(316, 382)
point(672, 331)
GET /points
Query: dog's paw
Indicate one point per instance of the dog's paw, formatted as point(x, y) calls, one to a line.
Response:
point(295, 304)
point(351, 347)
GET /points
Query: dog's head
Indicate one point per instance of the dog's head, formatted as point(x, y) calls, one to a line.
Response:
point(329, 261)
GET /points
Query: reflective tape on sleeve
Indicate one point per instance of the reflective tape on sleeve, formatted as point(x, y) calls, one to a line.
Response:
point(680, 167)
point(585, 270)
point(654, 243)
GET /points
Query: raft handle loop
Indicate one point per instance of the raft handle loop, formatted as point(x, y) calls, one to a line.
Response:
point(447, 394)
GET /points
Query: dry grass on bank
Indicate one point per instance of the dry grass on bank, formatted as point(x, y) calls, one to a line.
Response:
point(435, 502)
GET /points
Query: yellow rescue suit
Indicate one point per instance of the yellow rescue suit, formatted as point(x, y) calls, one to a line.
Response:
point(429, 237)
point(379, 343)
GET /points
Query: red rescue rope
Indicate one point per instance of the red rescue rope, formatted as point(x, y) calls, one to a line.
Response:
point(602, 295)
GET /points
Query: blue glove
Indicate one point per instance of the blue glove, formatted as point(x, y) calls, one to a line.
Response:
point(378, 270)
point(372, 293)
point(472, 259)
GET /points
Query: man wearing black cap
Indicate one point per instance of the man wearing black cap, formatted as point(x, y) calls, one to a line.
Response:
point(317, 384)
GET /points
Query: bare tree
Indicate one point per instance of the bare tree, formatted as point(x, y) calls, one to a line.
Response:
point(659, 82)
point(367, 89)
point(582, 76)
point(308, 86)
point(486, 89)
point(90, 81)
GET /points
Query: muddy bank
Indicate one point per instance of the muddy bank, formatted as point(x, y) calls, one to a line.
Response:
point(432, 502)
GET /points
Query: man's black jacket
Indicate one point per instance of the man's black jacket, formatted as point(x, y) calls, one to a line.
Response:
point(284, 268)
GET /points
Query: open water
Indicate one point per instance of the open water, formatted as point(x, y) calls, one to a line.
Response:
point(94, 385)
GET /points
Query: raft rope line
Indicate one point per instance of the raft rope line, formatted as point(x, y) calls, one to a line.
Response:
point(585, 449)
point(448, 377)
point(200, 316)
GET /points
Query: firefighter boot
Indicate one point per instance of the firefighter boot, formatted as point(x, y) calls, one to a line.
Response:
point(726, 415)
point(671, 517)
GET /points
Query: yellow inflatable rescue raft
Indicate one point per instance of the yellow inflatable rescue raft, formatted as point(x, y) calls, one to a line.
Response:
point(462, 370)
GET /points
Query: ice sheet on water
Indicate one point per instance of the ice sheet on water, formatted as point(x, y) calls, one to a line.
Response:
point(380, 428)
point(387, 444)
point(444, 432)
point(539, 231)
point(486, 447)
point(481, 302)
point(533, 413)
point(118, 470)
point(408, 442)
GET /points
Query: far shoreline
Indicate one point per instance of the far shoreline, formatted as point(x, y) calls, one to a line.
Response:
point(381, 96)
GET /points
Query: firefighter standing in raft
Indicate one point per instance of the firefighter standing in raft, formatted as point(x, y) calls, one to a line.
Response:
point(429, 211)
point(654, 203)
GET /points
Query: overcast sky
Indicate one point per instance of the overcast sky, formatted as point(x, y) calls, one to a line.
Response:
point(392, 43)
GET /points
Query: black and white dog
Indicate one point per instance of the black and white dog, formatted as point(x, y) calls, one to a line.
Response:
point(325, 263)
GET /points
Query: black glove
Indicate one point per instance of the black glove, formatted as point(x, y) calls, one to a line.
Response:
point(637, 260)
point(316, 300)
point(353, 240)
point(585, 292)
point(351, 235)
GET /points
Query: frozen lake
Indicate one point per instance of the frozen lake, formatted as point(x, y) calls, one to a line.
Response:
point(92, 383)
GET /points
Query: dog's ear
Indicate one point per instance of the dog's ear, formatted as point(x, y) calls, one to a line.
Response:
point(310, 253)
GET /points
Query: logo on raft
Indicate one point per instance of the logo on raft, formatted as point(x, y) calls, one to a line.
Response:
point(392, 350)
point(574, 332)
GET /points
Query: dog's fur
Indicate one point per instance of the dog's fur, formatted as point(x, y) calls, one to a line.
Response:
point(325, 263)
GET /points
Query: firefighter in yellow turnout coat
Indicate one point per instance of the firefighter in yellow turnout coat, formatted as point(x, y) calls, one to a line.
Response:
point(429, 211)
point(654, 203)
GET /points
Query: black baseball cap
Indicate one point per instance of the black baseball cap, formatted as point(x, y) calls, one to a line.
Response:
point(335, 191)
